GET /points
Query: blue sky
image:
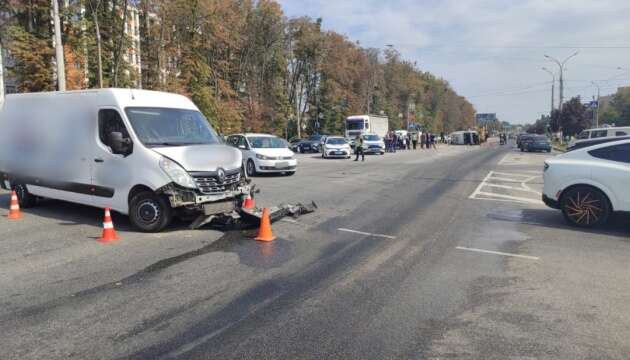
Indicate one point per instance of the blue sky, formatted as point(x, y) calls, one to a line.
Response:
point(492, 51)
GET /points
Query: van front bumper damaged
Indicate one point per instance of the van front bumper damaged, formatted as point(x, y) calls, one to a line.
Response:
point(180, 197)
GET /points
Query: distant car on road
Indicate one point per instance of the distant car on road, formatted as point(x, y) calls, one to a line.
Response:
point(523, 140)
point(373, 144)
point(336, 147)
point(312, 144)
point(600, 134)
point(264, 153)
point(537, 143)
point(589, 184)
point(296, 145)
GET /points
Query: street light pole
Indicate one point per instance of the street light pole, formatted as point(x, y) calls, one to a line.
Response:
point(561, 66)
point(553, 86)
point(597, 108)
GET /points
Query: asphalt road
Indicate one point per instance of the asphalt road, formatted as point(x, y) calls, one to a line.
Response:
point(414, 255)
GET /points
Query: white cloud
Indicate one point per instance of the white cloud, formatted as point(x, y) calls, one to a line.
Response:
point(487, 46)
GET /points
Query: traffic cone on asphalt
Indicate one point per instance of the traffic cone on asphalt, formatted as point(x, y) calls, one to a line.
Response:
point(264, 232)
point(109, 234)
point(249, 202)
point(14, 209)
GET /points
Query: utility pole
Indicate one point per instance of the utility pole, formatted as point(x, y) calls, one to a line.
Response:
point(597, 108)
point(561, 66)
point(553, 86)
point(1, 77)
point(61, 71)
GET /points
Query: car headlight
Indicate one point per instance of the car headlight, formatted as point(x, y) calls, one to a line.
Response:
point(263, 157)
point(177, 173)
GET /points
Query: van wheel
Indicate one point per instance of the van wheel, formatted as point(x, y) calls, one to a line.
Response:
point(585, 206)
point(150, 212)
point(25, 199)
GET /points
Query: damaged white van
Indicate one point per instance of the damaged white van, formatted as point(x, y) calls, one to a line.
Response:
point(150, 155)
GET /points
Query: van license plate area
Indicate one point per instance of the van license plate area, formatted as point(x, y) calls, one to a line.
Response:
point(218, 208)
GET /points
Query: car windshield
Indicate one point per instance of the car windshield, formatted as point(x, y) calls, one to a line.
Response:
point(266, 142)
point(541, 138)
point(371, 137)
point(355, 124)
point(315, 137)
point(171, 127)
point(336, 141)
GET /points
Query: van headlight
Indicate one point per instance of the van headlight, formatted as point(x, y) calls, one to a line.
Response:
point(177, 173)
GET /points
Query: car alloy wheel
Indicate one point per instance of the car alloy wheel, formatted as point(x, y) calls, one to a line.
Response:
point(251, 168)
point(585, 206)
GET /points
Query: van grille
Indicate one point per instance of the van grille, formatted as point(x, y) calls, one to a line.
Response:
point(211, 185)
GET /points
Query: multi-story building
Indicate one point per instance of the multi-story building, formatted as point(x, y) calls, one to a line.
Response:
point(132, 30)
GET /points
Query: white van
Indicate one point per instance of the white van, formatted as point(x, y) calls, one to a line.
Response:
point(151, 155)
point(599, 133)
point(464, 138)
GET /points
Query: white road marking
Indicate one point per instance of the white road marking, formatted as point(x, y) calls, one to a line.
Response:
point(478, 189)
point(498, 253)
point(509, 197)
point(514, 178)
point(291, 221)
point(366, 233)
point(511, 188)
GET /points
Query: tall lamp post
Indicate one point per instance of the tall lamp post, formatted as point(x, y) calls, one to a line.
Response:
point(561, 66)
point(553, 88)
point(1, 77)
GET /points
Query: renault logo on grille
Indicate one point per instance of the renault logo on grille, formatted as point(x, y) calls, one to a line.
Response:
point(221, 176)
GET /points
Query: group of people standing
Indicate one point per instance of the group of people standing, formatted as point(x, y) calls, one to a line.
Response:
point(394, 141)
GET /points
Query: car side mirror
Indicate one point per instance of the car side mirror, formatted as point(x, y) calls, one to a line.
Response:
point(242, 147)
point(120, 145)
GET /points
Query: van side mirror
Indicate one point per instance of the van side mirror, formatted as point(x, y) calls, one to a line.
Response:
point(120, 145)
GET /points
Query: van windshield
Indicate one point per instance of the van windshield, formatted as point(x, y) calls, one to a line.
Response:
point(171, 127)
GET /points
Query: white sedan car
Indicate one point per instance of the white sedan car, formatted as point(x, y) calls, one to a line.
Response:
point(336, 146)
point(264, 153)
point(373, 144)
point(589, 184)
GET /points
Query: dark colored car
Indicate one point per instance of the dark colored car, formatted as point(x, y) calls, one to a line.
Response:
point(296, 144)
point(597, 141)
point(536, 143)
point(522, 139)
point(312, 144)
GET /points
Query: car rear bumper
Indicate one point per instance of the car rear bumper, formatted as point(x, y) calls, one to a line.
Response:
point(552, 203)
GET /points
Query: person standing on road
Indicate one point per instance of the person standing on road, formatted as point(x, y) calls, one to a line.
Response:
point(359, 148)
point(414, 140)
point(433, 141)
point(423, 139)
point(394, 142)
point(408, 137)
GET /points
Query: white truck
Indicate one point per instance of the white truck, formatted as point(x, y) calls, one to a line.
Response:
point(148, 154)
point(366, 124)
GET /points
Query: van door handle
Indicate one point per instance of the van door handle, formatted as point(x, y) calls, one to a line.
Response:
point(99, 160)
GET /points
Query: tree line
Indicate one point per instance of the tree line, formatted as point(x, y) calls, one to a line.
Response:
point(243, 62)
point(571, 120)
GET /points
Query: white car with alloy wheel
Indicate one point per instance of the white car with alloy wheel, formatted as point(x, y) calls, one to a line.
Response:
point(589, 184)
point(264, 153)
point(336, 147)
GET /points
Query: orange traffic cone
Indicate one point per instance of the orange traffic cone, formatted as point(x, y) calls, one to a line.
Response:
point(249, 202)
point(109, 234)
point(264, 232)
point(14, 209)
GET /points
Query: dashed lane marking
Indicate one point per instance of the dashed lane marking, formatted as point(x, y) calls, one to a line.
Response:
point(366, 233)
point(498, 253)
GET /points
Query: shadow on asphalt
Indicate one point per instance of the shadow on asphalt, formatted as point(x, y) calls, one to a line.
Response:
point(71, 214)
point(619, 225)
